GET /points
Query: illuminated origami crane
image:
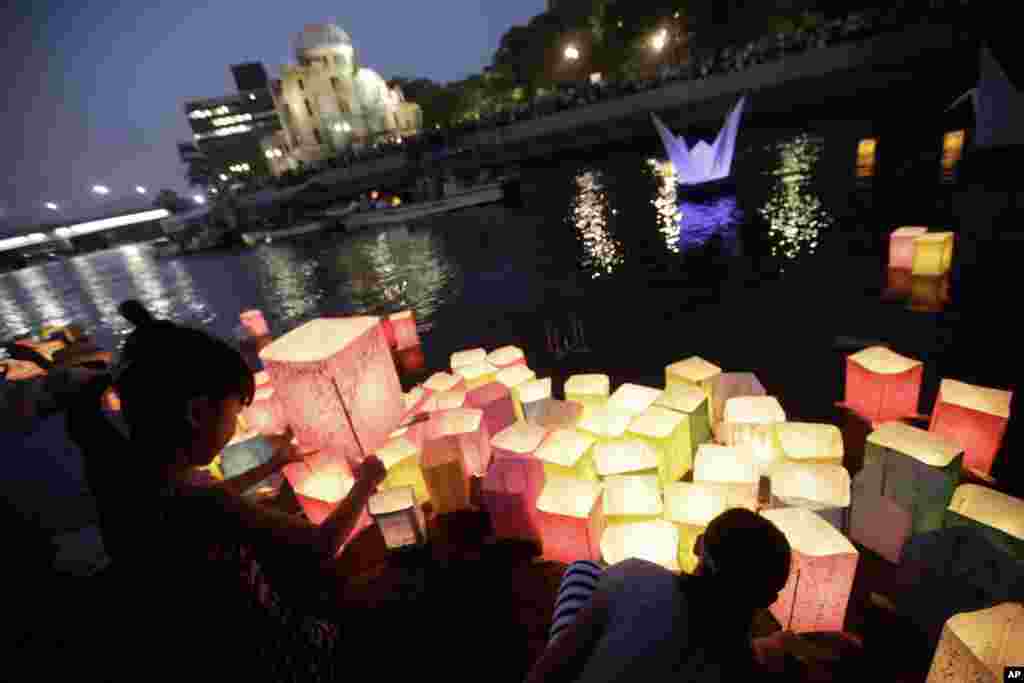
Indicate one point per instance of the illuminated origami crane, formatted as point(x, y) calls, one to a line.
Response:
point(703, 163)
point(998, 105)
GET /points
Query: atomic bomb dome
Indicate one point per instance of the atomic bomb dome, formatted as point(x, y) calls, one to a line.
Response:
point(317, 40)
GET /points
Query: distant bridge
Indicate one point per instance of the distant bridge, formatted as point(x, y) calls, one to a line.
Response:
point(68, 232)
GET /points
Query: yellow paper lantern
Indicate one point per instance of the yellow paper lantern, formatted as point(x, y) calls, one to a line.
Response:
point(933, 253)
point(590, 390)
point(632, 498)
point(808, 442)
point(455, 448)
point(443, 381)
point(506, 356)
point(692, 506)
point(726, 464)
point(979, 646)
point(747, 417)
point(530, 395)
point(401, 458)
point(570, 518)
point(692, 402)
point(605, 425)
point(731, 385)
point(695, 373)
point(668, 432)
point(633, 399)
point(512, 377)
point(989, 508)
point(551, 413)
point(568, 453)
point(399, 518)
point(468, 357)
point(824, 489)
point(625, 457)
point(656, 541)
point(477, 374)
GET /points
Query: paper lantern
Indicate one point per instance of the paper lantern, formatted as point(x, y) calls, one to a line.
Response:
point(468, 357)
point(929, 293)
point(693, 373)
point(510, 492)
point(898, 284)
point(496, 401)
point(974, 417)
point(551, 413)
point(443, 381)
point(320, 491)
point(444, 400)
point(261, 379)
point(570, 518)
point(403, 326)
point(238, 458)
point(443, 462)
point(264, 415)
point(254, 323)
point(999, 517)
point(477, 374)
point(413, 401)
point(465, 430)
point(656, 541)
point(530, 395)
point(901, 247)
point(591, 391)
point(568, 453)
point(513, 377)
point(401, 458)
point(730, 385)
point(808, 442)
point(726, 464)
point(823, 489)
point(933, 253)
point(506, 356)
point(632, 498)
point(668, 432)
point(979, 646)
point(605, 425)
point(389, 332)
point(625, 457)
point(410, 359)
point(692, 506)
point(882, 385)
point(399, 518)
point(111, 401)
point(520, 441)
point(633, 399)
point(336, 384)
point(821, 572)
point(694, 404)
point(750, 417)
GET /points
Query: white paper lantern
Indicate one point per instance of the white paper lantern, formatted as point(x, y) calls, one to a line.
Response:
point(568, 453)
point(655, 541)
point(633, 399)
point(726, 464)
point(629, 456)
point(808, 442)
point(468, 357)
point(399, 518)
point(750, 416)
point(979, 646)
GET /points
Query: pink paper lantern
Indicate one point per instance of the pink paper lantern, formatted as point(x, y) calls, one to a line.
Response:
point(821, 573)
point(403, 326)
point(441, 401)
point(495, 400)
point(264, 414)
point(443, 381)
point(320, 490)
point(882, 385)
point(389, 332)
point(461, 359)
point(728, 385)
point(516, 447)
point(463, 429)
point(974, 417)
point(570, 518)
point(254, 323)
point(414, 401)
point(506, 357)
point(901, 247)
point(510, 497)
point(337, 385)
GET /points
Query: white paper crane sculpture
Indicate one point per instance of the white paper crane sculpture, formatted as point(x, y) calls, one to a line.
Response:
point(703, 163)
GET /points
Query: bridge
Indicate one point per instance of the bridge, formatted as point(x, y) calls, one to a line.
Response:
point(65, 237)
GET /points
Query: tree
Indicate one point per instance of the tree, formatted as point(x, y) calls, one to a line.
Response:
point(171, 200)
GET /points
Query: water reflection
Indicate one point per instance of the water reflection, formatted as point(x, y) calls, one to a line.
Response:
point(688, 225)
point(287, 285)
point(795, 214)
point(590, 211)
point(45, 305)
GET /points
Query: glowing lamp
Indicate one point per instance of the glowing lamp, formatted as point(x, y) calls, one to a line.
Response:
point(656, 541)
point(319, 491)
point(821, 572)
point(238, 458)
point(726, 464)
point(999, 517)
point(443, 381)
point(510, 492)
point(750, 417)
point(443, 462)
point(605, 425)
point(882, 385)
point(974, 417)
point(824, 489)
point(729, 385)
point(477, 374)
point(567, 453)
point(693, 403)
point(625, 457)
point(692, 506)
point(265, 414)
point(633, 399)
point(808, 442)
point(506, 357)
point(901, 247)
point(591, 391)
point(551, 413)
point(495, 400)
point(399, 518)
point(570, 518)
point(254, 323)
point(468, 357)
point(401, 458)
point(979, 646)
point(403, 326)
point(531, 394)
point(513, 377)
point(336, 384)
point(668, 432)
point(465, 430)
point(933, 253)
point(632, 498)
point(519, 441)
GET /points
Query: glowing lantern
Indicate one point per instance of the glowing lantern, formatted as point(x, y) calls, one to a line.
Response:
point(979, 646)
point(570, 518)
point(320, 491)
point(389, 332)
point(824, 489)
point(882, 385)
point(238, 458)
point(633, 399)
point(398, 517)
point(929, 293)
point(468, 357)
point(337, 384)
point(974, 417)
point(692, 506)
point(901, 247)
point(821, 572)
point(999, 517)
point(668, 432)
point(605, 425)
point(443, 462)
point(414, 401)
point(626, 457)
point(410, 359)
point(444, 400)
point(531, 394)
point(726, 464)
point(111, 401)
point(264, 414)
point(933, 253)
point(567, 453)
point(694, 404)
point(866, 157)
point(693, 372)
point(495, 400)
point(510, 492)
point(590, 391)
point(632, 498)
point(808, 442)
point(403, 326)
point(506, 357)
point(513, 377)
point(898, 284)
point(655, 541)
point(952, 149)
point(519, 442)
point(729, 385)
point(401, 458)
point(551, 414)
point(254, 323)
point(750, 417)
point(442, 381)
point(465, 430)
point(477, 374)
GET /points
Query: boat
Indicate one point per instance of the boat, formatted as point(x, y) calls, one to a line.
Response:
point(479, 195)
point(328, 219)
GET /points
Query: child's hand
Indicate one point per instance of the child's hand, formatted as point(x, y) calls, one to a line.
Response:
point(286, 450)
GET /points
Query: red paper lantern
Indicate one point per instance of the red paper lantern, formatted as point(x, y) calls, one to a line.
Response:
point(974, 417)
point(410, 359)
point(495, 400)
point(516, 447)
point(570, 518)
point(510, 496)
point(882, 385)
point(320, 490)
point(403, 326)
point(901, 247)
point(389, 332)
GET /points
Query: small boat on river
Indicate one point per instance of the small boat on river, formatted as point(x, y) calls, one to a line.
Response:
point(479, 195)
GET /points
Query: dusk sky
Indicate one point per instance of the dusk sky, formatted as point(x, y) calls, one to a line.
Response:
point(94, 88)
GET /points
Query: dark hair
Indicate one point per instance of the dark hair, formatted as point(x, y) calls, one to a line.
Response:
point(738, 540)
point(164, 366)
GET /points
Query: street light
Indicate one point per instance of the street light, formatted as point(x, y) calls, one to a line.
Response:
point(224, 177)
point(52, 206)
point(659, 40)
point(100, 189)
point(572, 53)
point(199, 199)
point(140, 189)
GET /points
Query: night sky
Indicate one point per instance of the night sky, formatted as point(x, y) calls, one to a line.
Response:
point(95, 88)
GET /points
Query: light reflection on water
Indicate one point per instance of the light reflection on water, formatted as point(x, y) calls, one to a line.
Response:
point(687, 224)
point(590, 210)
